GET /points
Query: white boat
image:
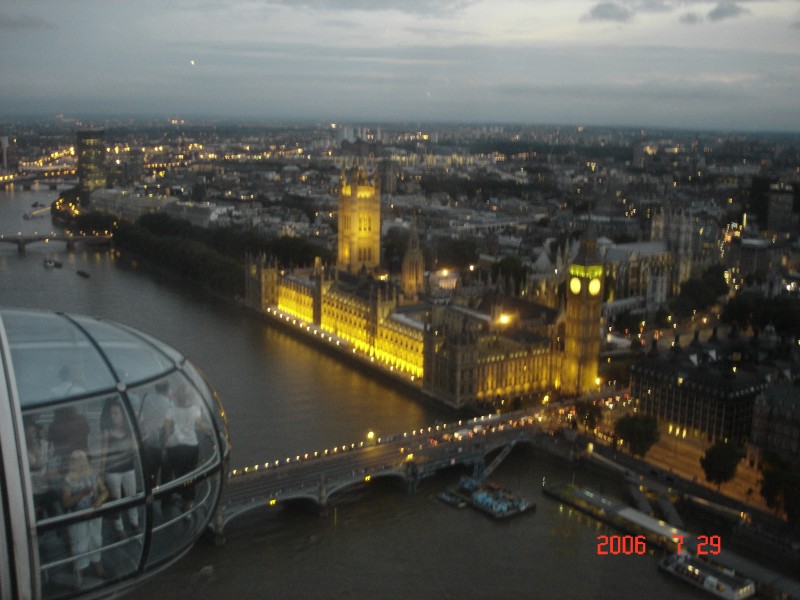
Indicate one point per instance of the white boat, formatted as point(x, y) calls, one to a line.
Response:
point(722, 583)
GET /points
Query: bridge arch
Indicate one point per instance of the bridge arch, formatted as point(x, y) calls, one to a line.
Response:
point(363, 479)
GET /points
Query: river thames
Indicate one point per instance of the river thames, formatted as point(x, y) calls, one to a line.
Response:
point(283, 397)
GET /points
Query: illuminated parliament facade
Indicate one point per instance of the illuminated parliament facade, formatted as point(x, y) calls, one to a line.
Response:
point(471, 351)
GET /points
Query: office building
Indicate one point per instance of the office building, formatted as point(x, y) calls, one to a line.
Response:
point(91, 150)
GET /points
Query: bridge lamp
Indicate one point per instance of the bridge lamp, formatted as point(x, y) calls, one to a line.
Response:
point(368, 477)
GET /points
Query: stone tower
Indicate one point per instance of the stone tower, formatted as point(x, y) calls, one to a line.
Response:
point(359, 240)
point(674, 227)
point(583, 318)
point(412, 279)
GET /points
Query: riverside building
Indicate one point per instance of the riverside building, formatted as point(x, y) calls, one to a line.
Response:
point(91, 150)
point(705, 392)
point(482, 353)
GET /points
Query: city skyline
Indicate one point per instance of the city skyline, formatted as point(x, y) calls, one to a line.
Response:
point(731, 65)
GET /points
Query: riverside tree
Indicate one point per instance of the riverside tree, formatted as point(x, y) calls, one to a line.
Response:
point(639, 432)
point(719, 463)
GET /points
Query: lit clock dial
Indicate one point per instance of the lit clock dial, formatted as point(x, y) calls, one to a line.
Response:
point(575, 285)
point(594, 287)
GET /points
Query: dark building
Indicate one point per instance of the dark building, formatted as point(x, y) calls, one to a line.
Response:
point(91, 162)
point(706, 390)
point(756, 205)
point(751, 255)
point(776, 422)
point(780, 206)
point(127, 171)
point(9, 155)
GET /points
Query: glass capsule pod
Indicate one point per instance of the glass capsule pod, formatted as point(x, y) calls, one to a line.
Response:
point(113, 450)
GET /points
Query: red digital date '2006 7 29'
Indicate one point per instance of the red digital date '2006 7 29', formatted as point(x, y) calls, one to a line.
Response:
point(629, 544)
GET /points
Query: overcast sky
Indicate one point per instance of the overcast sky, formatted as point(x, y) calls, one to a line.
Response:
point(730, 64)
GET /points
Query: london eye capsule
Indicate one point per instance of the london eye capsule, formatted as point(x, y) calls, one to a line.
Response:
point(113, 450)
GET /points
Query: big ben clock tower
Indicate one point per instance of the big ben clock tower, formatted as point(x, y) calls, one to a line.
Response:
point(583, 324)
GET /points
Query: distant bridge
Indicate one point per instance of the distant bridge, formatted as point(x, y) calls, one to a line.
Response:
point(409, 457)
point(50, 177)
point(22, 241)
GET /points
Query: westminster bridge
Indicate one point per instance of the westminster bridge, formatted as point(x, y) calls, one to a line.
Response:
point(22, 241)
point(408, 457)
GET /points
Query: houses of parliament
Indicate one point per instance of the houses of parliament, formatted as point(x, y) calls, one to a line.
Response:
point(479, 349)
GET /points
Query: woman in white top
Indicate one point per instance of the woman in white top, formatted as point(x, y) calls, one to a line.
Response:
point(181, 446)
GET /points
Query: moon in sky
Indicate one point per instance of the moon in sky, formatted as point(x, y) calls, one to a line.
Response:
point(191, 62)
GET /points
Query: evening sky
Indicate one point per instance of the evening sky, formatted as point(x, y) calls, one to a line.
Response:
point(689, 63)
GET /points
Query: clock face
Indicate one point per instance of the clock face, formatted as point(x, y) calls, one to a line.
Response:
point(594, 286)
point(575, 285)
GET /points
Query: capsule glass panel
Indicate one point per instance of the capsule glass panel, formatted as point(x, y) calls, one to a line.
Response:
point(122, 446)
point(52, 359)
point(131, 358)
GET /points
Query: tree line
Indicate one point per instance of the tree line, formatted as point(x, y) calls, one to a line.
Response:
point(213, 257)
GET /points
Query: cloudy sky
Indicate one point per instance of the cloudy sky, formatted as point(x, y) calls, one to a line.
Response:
point(730, 64)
